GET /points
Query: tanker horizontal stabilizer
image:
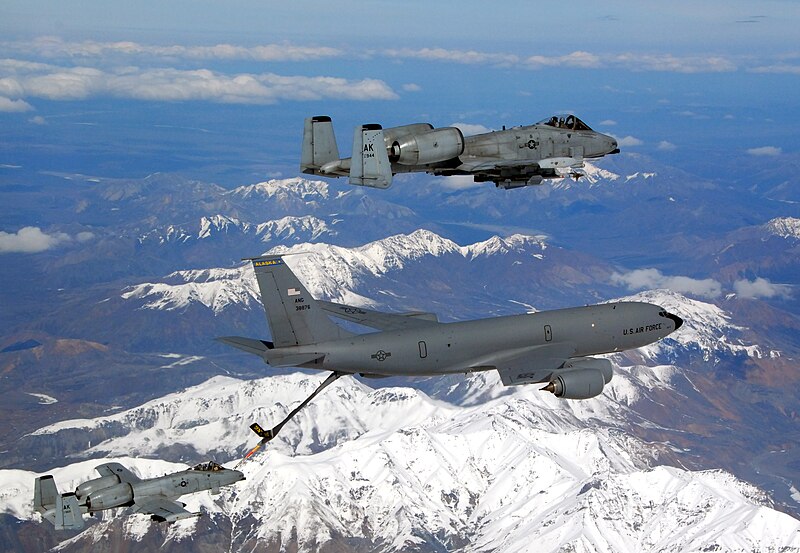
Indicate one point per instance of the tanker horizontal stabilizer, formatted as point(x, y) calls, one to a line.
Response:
point(377, 319)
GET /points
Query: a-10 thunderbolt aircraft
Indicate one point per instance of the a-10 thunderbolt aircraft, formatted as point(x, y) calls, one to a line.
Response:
point(550, 347)
point(119, 487)
point(510, 158)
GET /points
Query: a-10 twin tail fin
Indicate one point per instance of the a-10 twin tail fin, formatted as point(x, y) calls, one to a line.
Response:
point(319, 145)
point(62, 511)
point(370, 164)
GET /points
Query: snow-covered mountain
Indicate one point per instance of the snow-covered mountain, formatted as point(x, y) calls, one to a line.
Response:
point(285, 229)
point(394, 470)
point(360, 275)
point(785, 227)
point(707, 333)
point(497, 468)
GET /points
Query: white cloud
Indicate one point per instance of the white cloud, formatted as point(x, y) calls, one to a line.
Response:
point(14, 106)
point(780, 68)
point(456, 56)
point(608, 122)
point(469, 129)
point(666, 146)
point(125, 52)
point(761, 288)
point(770, 151)
point(20, 79)
point(38, 120)
point(54, 48)
point(29, 240)
point(578, 59)
point(640, 279)
point(411, 87)
point(459, 182)
point(84, 236)
point(672, 64)
point(628, 141)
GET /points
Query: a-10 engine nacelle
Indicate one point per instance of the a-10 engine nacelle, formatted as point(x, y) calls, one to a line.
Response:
point(104, 493)
point(581, 379)
point(421, 144)
point(119, 495)
point(91, 486)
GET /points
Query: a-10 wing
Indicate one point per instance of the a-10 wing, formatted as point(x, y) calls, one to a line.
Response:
point(115, 469)
point(480, 164)
point(162, 509)
point(159, 507)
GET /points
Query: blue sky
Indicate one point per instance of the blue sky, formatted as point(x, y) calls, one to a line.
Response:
point(676, 79)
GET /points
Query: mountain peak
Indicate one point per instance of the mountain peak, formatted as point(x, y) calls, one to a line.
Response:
point(785, 227)
point(277, 188)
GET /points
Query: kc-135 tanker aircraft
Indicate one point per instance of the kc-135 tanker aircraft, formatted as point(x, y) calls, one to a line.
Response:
point(119, 487)
point(510, 158)
point(550, 347)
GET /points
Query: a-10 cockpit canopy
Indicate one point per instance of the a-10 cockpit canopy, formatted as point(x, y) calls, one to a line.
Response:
point(208, 466)
point(569, 122)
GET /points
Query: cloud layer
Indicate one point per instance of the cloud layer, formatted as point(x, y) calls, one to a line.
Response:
point(641, 279)
point(56, 48)
point(578, 59)
point(19, 79)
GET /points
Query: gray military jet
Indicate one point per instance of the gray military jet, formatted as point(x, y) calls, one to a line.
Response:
point(511, 158)
point(551, 347)
point(119, 487)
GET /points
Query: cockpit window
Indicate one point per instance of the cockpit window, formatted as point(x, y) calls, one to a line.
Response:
point(569, 122)
point(208, 466)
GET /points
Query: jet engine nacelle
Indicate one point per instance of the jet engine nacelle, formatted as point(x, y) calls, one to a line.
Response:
point(108, 498)
point(581, 379)
point(429, 147)
point(394, 134)
point(91, 486)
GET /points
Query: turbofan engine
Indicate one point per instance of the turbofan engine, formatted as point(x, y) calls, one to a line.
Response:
point(108, 498)
point(91, 486)
point(581, 379)
point(428, 147)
